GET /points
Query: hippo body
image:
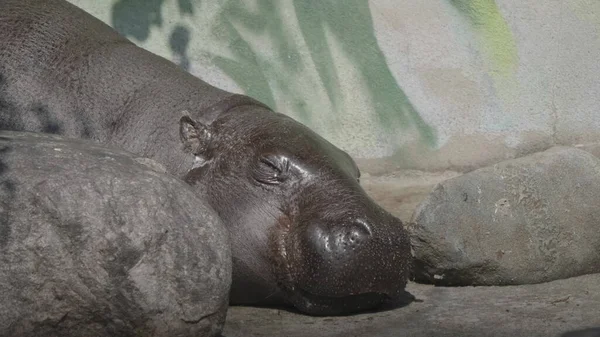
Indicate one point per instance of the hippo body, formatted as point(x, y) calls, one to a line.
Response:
point(303, 231)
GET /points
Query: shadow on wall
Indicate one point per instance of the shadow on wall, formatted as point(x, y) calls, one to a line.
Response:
point(350, 23)
point(134, 18)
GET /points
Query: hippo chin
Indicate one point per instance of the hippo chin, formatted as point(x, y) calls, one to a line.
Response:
point(303, 231)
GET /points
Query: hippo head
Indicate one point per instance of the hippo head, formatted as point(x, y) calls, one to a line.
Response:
point(302, 229)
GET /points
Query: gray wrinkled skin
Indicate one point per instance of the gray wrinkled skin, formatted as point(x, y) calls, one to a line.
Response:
point(303, 231)
point(527, 220)
point(92, 243)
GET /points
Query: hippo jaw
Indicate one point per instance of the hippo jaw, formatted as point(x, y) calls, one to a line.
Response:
point(318, 305)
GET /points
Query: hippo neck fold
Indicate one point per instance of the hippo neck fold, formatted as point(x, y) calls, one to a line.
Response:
point(229, 103)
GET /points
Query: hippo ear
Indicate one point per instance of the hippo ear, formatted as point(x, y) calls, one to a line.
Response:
point(194, 135)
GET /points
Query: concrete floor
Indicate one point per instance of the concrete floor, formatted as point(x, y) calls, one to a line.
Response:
point(549, 309)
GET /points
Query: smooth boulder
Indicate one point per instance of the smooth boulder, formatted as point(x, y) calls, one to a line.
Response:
point(528, 220)
point(96, 242)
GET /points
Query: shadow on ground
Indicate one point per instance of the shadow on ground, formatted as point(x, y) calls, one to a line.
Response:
point(591, 332)
point(565, 308)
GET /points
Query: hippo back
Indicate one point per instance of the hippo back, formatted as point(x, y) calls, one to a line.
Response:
point(65, 72)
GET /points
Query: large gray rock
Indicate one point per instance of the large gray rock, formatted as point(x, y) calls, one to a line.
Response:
point(95, 243)
point(527, 220)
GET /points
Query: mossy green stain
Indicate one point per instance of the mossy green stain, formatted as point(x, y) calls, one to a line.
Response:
point(497, 38)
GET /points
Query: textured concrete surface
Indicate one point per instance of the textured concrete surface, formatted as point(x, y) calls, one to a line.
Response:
point(542, 310)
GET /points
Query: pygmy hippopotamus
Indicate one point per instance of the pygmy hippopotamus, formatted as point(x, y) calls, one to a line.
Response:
point(303, 231)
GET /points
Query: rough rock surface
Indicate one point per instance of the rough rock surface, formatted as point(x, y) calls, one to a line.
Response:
point(527, 220)
point(94, 243)
point(563, 308)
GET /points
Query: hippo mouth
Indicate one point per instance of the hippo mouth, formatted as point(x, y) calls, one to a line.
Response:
point(323, 305)
point(319, 305)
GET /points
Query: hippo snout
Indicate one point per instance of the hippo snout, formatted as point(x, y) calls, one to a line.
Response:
point(353, 262)
point(337, 242)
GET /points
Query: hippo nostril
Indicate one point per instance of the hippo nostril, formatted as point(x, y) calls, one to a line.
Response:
point(356, 236)
point(359, 230)
point(352, 235)
point(327, 244)
point(331, 241)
